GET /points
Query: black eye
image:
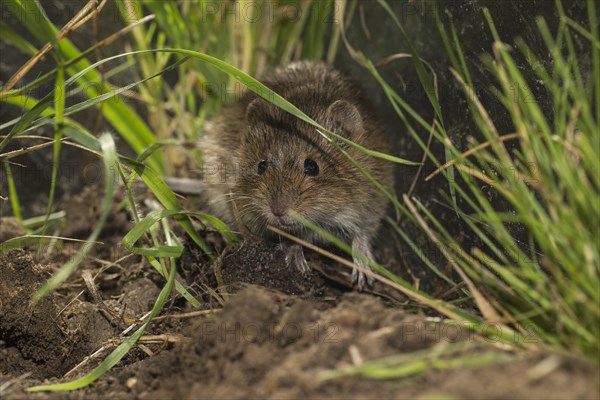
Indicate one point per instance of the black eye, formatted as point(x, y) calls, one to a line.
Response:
point(262, 166)
point(311, 168)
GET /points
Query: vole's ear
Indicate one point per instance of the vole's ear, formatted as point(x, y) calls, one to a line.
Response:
point(344, 118)
point(256, 111)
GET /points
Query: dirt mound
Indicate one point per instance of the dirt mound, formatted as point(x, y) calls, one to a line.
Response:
point(44, 339)
point(264, 331)
point(265, 344)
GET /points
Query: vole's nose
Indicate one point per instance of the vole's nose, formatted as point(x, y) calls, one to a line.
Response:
point(280, 208)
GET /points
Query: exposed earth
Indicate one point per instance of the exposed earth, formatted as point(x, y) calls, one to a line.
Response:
point(263, 331)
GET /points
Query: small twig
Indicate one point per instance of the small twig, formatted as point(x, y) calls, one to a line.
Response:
point(391, 58)
point(70, 27)
point(147, 339)
point(481, 146)
point(72, 144)
point(191, 314)
point(107, 264)
point(145, 349)
point(164, 338)
point(450, 291)
point(221, 299)
point(423, 159)
point(62, 310)
point(28, 137)
point(25, 150)
point(103, 43)
point(52, 244)
point(89, 281)
point(355, 355)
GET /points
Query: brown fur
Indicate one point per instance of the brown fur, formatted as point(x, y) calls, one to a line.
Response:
point(340, 198)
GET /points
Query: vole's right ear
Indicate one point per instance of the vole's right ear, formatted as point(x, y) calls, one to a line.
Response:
point(345, 116)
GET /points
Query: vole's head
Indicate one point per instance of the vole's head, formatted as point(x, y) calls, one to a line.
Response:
point(287, 165)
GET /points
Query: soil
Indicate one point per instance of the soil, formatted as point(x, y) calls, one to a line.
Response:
point(262, 331)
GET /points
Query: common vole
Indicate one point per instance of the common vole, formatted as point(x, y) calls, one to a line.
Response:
point(261, 162)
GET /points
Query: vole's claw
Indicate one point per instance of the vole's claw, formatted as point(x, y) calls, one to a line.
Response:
point(361, 246)
point(294, 257)
point(359, 278)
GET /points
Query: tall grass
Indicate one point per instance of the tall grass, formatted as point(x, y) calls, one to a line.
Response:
point(543, 293)
point(549, 289)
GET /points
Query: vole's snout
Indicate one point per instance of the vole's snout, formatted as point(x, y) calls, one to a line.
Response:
point(280, 209)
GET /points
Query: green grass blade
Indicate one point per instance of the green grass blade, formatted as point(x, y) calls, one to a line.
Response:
point(142, 227)
point(593, 18)
point(109, 158)
point(16, 40)
point(443, 356)
point(34, 222)
point(33, 240)
point(59, 107)
point(12, 192)
point(26, 120)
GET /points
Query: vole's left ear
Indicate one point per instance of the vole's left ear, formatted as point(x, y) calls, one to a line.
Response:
point(344, 118)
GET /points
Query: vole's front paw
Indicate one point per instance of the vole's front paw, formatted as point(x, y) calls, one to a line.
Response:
point(360, 245)
point(294, 257)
